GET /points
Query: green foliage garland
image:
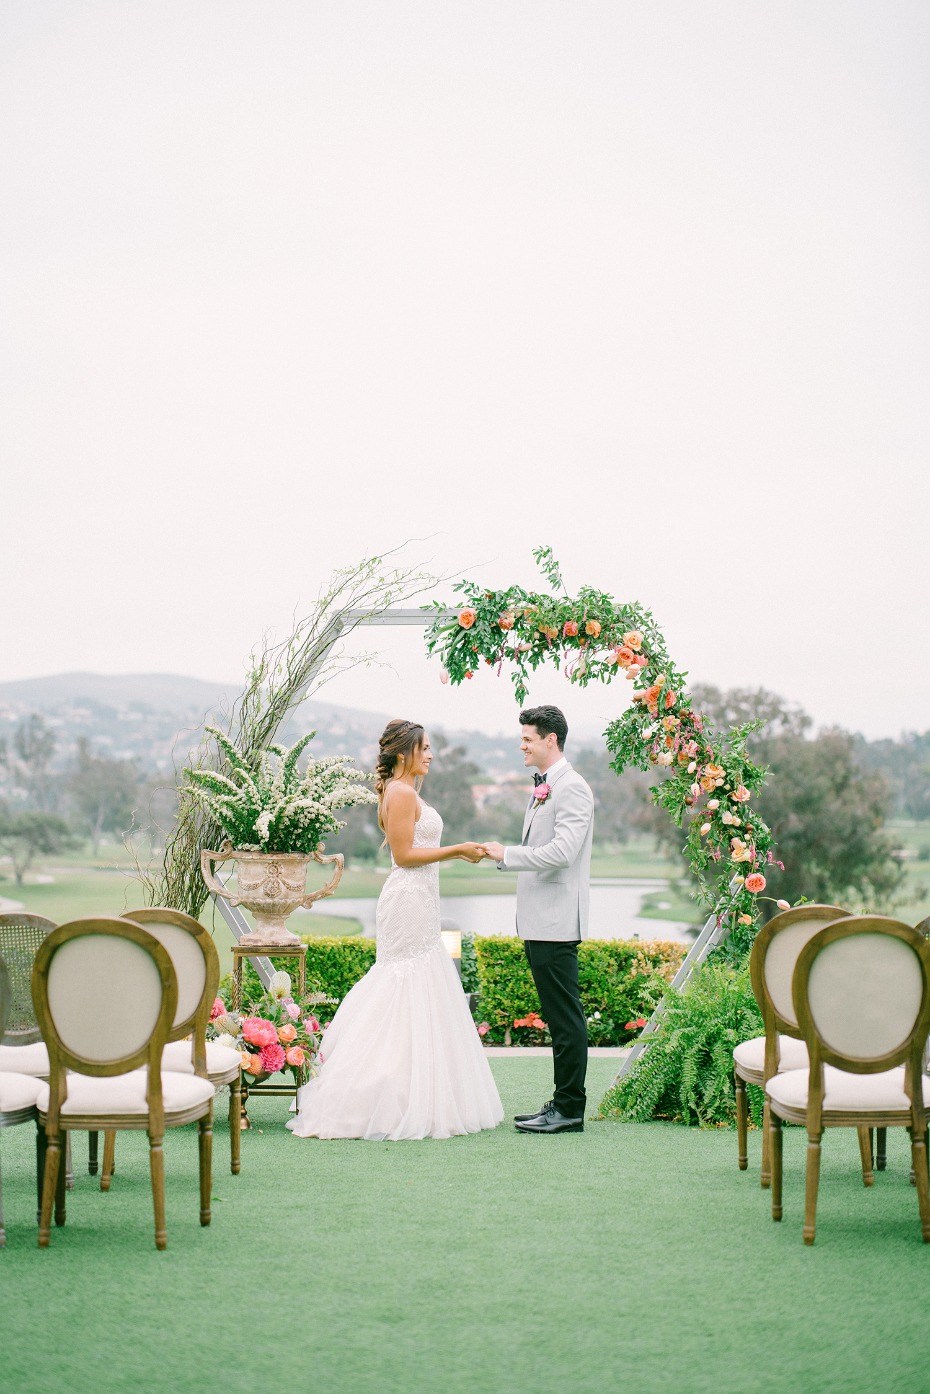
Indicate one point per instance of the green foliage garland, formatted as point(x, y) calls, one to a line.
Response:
point(593, 638)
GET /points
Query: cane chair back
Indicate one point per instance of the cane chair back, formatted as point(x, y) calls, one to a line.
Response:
point(18, 1092)
point(20, 937)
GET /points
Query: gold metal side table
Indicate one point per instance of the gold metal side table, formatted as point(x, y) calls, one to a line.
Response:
point(239, 952)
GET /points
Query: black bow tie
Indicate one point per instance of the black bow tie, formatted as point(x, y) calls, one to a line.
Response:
point(538, 779)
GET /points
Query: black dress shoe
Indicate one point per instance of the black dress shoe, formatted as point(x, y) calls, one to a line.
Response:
point(525, 1117)
point(551, 1121)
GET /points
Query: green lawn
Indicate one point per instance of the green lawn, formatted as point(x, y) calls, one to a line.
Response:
point(625, 1258)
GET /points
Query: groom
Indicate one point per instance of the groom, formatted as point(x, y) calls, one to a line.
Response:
point(554, 862)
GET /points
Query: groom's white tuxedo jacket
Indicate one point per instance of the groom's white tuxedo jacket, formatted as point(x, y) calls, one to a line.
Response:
point(553, 892)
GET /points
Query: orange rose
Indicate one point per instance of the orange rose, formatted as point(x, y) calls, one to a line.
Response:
point(295, 1056)
point(569, 629)
point(507, 620)
point(467, 617)
point(593, 628)
point(670, 698)
point(633, 640)
point(254, 1066)
point(287, 1033)
point(755, 883)
point(624, 657)
point(651, 694)
point(745, 919)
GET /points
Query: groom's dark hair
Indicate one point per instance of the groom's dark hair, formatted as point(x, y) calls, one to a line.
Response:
point(547, 720)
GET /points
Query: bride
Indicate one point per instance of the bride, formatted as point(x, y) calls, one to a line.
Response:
point(401, 1057)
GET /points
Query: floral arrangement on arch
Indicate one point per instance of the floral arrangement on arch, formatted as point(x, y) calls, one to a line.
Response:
point(276, 1031)
point(274, 806)
point(593, 638)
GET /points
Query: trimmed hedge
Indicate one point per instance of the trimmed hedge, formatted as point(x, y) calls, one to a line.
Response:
point(620, 980)
point(617, 977)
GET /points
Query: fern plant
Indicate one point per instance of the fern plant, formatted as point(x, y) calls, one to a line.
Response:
point(273, 806)
point(686, 1074)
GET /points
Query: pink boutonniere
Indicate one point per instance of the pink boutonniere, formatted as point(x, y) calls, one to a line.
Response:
point(542, 792)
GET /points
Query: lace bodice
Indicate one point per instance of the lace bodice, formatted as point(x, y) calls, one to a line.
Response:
point(408, 907)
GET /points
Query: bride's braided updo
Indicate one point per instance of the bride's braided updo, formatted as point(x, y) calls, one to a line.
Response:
point(398, 741)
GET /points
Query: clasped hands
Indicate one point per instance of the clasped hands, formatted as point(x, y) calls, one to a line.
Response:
point(478, 851)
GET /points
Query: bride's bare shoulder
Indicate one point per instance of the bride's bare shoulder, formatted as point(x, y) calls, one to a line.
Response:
point(401, 797)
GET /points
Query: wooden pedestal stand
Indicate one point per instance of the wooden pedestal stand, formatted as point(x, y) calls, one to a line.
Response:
point(239, 952)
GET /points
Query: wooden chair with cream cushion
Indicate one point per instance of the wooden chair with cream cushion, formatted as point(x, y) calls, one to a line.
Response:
point(106, 995)
point(771, 965)
point(197, 966)
point(18, 1092)
point(862, 999)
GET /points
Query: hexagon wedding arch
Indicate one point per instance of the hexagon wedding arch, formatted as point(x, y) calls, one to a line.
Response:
point(591, 638)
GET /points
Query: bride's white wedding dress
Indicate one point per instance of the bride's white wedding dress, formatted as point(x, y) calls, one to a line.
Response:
point(401, 1057)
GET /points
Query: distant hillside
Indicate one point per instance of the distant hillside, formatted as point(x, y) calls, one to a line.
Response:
point(156, 718)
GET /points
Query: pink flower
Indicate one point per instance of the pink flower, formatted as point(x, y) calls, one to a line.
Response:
point(755, 882)
point(295, 1056)
point(443, 676)
point(783, 904)
point(272, 1058)
point(259, 1032)
point(541, 792)
point(483, 1029)
point(312, 1025)
point(292, 1010)
point(218, 1008)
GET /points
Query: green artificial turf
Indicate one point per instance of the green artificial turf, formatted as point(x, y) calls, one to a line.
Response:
point(628, 1258)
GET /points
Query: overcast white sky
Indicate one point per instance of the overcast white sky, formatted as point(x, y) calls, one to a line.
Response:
point(284, 285)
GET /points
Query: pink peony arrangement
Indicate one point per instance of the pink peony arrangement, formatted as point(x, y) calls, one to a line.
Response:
point(275, 1032)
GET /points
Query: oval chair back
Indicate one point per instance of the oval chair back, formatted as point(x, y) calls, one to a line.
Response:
point(197, 965)
point(862, 995)
point(772, 963)
point(105, 995)
point(20, 937)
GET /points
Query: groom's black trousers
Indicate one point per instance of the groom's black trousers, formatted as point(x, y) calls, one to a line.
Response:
point(554, 965)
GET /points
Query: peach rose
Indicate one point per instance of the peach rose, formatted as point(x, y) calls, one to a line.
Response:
point(670, 698)
point(569, 629)
point(467, 617)
point(745, 919)
point(708, 782)
point(295, 1056)
point(651, 694)
point(755, 883)
point(624, 656)
point(254, 1065)
point(665, 758)
point(741, 794)
point(715, 771)
point(287, 1033)
point(507, 620)
point(633, 640)
point(593, 628)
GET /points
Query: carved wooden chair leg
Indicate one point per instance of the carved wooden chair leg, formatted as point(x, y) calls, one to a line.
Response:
point(765, 1178)
point(919, 1158)
point(109, 1159)
point(49, 1188)
point(776, 1151)
point(2, 1230)
point(157, 1165)
point(865, 1152)
point(205, 1149)
point(742, 1123)
point(41, 1150)
point(92, 1144)
point(235, 1126)
point(813, 1183)
point(881, 1145)
point(69, 1168)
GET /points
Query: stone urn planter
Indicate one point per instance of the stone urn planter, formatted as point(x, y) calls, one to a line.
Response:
point(271, 886)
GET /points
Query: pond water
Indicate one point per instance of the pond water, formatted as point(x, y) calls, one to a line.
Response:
point(615, 907)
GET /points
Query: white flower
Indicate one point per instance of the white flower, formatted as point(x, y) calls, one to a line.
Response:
point(705, 828)
point(228, 1041)
point(280, 986)
point(665, 758)
point(692, 767)
point(713, 805)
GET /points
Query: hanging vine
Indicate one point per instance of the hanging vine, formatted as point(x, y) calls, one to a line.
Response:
point(593, 638)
